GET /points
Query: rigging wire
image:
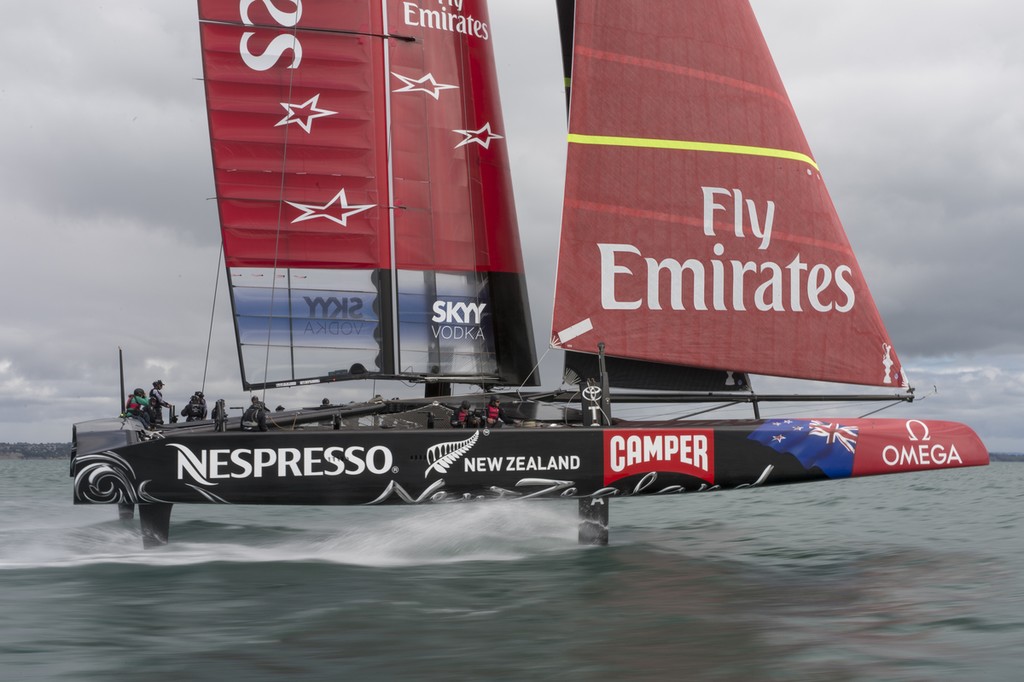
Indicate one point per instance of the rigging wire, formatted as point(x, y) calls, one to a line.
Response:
point(886, 407)
point(705, 411)
point(213, 309)
point(519, 388)
point(277, 233)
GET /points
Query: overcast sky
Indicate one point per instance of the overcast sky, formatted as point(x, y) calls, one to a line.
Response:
point(914, 111)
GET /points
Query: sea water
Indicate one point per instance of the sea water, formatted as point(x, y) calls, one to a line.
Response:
point(909, 577)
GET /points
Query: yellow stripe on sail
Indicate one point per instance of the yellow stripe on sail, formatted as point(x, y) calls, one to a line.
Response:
point(687, 145)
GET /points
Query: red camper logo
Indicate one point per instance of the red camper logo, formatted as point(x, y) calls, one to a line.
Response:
point(629, 452)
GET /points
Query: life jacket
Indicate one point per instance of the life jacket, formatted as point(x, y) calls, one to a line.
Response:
point(493, 413)
point(252, 418)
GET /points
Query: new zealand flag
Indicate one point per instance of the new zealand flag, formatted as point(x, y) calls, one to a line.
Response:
point(829, 446)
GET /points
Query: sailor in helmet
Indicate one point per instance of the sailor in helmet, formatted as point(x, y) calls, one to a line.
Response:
point(495, 416)
point(255, 417)
point(465, 417)
point(138, 407)
point(196, 408)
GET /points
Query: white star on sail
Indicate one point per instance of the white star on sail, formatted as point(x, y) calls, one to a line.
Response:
point(425, 84)
point(296, 115)
point(481, 137)
point(347, 210)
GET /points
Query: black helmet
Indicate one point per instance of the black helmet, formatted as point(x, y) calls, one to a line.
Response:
point(494, 399)
point(465, 405)
point(138, 391)
point(158, 383)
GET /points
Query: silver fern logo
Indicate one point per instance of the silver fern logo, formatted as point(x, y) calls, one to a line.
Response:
point(443, 455)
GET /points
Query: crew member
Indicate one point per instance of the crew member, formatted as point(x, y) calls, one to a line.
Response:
point(255, 417)
point(157, 402)
point(138, 407)
point(464, 417)
point(196, 408)
point(495, 416)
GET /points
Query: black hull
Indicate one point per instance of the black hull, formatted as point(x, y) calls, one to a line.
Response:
point(378, 467)
point(373, 466)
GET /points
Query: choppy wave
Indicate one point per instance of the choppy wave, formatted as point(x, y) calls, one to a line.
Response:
point(913, 577)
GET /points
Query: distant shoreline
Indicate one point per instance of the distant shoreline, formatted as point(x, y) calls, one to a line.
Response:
point(29, 451)
point(1006, 456)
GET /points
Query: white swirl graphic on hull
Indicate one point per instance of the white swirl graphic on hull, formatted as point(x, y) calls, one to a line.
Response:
point(107, 478)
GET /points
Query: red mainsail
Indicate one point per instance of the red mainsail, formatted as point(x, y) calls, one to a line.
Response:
point(364, 190)
point(697, 229)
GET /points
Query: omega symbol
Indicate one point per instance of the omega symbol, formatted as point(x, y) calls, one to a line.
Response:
point(925, 434)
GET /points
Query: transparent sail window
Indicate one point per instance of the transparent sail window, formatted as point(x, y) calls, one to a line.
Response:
point(306, 324)
point(445, 324)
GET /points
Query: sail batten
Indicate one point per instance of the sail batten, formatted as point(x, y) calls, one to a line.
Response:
point(685, 72)
point(691, 145)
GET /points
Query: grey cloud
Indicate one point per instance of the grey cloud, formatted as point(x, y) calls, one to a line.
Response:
point(913, 111)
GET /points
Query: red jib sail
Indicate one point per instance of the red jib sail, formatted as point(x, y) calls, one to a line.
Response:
point(364, 192)
point(697, 229)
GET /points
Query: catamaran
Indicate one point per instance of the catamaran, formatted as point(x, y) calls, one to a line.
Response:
point(369, 233)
